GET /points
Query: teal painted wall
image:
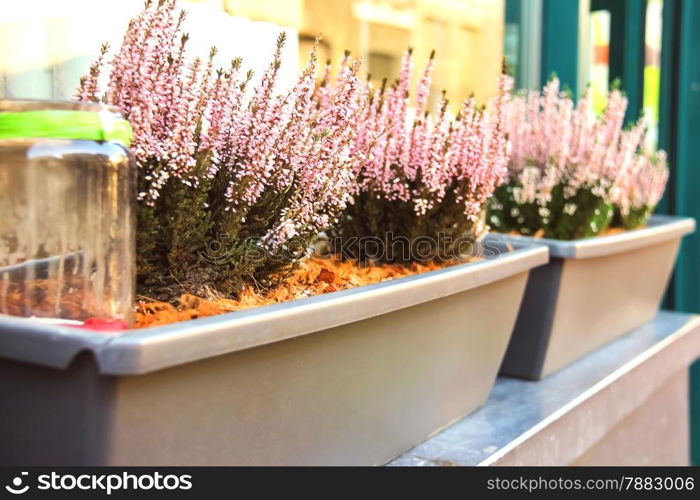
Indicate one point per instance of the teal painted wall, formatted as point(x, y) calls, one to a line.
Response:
point(679, 120)
point(560, 40)
point(687, 152)
point(686, 197)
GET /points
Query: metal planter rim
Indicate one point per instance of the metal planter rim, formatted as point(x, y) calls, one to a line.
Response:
point(136, 352)
point(659, 228)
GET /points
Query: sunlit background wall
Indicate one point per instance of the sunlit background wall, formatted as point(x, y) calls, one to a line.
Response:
point(45, 45)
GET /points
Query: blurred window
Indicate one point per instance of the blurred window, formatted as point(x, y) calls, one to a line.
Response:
point(599, 57)
point(652, 68)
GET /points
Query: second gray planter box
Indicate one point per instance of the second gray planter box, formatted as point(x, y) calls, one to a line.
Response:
point(352, 377)
point(592, 291)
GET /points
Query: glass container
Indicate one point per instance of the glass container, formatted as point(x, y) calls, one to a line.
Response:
point(67, 205)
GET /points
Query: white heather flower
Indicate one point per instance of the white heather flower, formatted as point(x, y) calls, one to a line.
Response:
point(570, 208)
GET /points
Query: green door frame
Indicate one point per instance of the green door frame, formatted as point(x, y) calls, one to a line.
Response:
point(668, 96)
point(687, 151)
point(687, 180)
point(560, 42)
point(679, 115)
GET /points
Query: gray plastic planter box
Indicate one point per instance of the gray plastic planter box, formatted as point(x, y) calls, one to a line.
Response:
point(352, 377)
point(592, 291)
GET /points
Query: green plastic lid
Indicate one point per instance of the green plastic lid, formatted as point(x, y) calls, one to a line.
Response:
point(65, 124)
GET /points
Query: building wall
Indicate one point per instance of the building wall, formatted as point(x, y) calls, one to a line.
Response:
point(46, 45)
point(467, 36)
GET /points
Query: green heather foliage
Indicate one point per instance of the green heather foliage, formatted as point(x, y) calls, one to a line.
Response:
point(592, 214)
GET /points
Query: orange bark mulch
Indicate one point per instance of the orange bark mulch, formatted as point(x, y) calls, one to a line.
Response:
point(315, 276)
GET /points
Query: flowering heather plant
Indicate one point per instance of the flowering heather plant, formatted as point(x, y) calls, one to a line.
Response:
point(572, 174)
point(639, 190)
point(423, 180)
point(233, 185)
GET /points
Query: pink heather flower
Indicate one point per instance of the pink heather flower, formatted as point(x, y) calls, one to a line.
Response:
point(412, 156)
point(643, 185)
point(556, 142)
